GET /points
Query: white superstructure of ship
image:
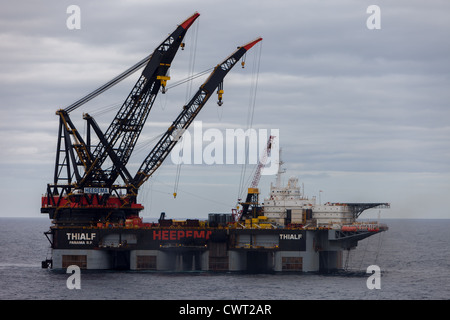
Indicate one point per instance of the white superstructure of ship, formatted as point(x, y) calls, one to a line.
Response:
point(287, 204)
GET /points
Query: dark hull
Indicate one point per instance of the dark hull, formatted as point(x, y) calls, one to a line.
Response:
point(201, 249)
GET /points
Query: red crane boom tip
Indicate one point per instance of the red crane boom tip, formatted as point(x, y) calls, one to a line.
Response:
point(189, 21)
point(252, 43)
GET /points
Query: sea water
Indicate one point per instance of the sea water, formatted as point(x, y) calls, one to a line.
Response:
point(413, 256)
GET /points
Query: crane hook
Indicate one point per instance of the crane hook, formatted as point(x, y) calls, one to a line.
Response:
point(220, 94)
point(163, 80)
point(243, 60)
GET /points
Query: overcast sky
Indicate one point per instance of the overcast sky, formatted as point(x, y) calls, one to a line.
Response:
point(363, 114)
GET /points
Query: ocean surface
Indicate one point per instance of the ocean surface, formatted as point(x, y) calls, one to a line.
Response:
point(413, 255)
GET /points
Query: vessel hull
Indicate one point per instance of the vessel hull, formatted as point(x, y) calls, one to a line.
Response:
point(201, 249)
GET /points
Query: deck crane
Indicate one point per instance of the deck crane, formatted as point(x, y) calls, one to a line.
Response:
point(124, 130)
point(93, 197)
point(163, 147)
point(250, 205)
point(76, 166)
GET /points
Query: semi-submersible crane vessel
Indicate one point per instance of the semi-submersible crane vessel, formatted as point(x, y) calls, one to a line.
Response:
point(96, 223)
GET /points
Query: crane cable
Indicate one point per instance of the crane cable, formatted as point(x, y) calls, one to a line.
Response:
point(155, 179)
point(192, 58)
point(250, 114)
point(195, 76)
point(108, 85)
point(113, 106)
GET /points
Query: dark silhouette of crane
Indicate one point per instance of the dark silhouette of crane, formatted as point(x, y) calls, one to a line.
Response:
point(83, 191)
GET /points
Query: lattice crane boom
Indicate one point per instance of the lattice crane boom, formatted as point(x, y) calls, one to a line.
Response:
point(262, 163)
point(88, 193)
point(124, 130)
point(253, 192)
point(187, 116)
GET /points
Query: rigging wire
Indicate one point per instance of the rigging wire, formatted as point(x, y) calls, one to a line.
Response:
point(108, 85)
point(140, 146)
point(189, 193)
point(195, 76)
point(380, 240)
point(364, 254)
point(162, 103)
point(146, 195)
point(250, 114)
point(177, 180)
point(192, 59)
point(106, 109)
point(113, 106)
